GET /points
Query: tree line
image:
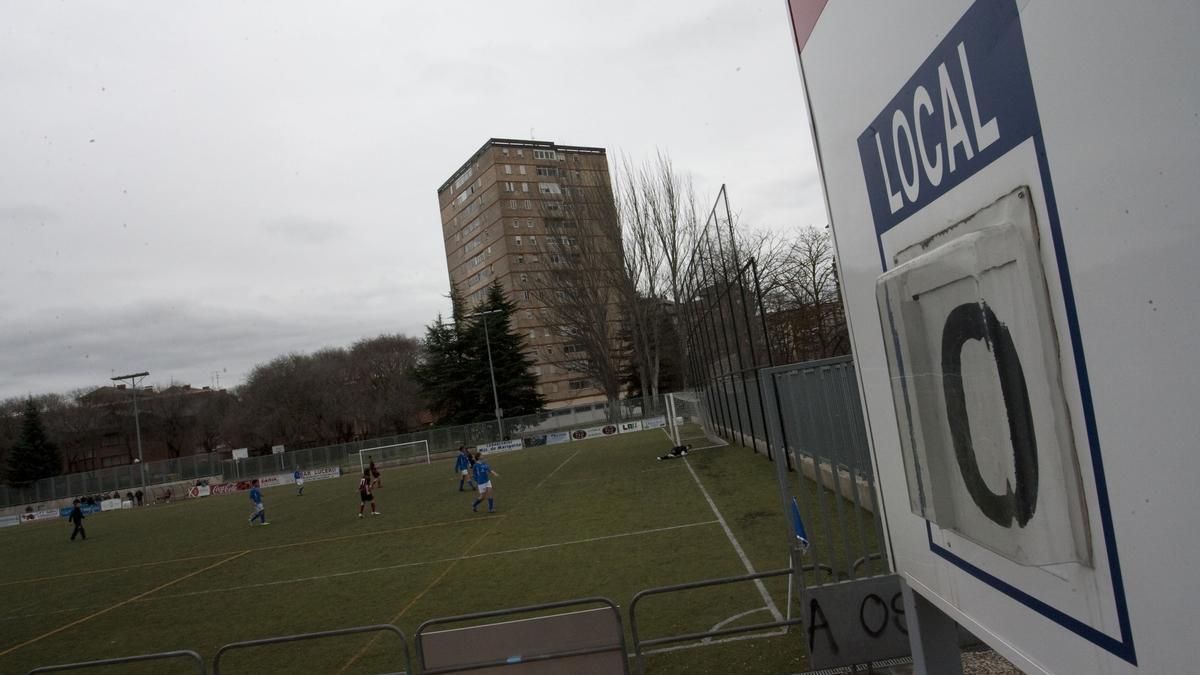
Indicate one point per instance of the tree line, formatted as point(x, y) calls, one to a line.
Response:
point(615, 284)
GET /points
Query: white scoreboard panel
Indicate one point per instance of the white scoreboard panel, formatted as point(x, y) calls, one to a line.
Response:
point(1014, 191)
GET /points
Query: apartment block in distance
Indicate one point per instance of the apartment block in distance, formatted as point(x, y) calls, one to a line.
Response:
point(495, 209)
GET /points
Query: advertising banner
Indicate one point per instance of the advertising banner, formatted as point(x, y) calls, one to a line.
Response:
point(324, 473)
point(534, 441)
point(655, 423)
point(627, 427)
point(110, 505)
point(229, 488)
point(9, 521)
point(199, 491)
point(502, 446)
point(88, 509)
point(556, 437)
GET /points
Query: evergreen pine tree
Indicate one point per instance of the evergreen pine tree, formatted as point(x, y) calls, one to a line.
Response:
point(516, 385)
point(34, 455)
point(454, 375)
point(446, 368)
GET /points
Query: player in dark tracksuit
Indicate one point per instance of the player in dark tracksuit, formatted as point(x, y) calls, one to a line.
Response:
point(462, 466)
point(77, 518)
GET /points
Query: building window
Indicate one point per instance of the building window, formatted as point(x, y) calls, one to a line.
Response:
point(524, 187)
point(532, 240)
point(466, 176)
point(518, 240)
point(508, 168)
point(529, 223)
point(528, 314)
point(524, 278)
point(525, 296)
point(504, 151)
point(520, 152)
point(555, 258)
point(520, 260)
point(545, 154)
point(553, 206)
point(576, 385)
point(509, 186)
point(532, 335)
point(521, 168)
point(528, 204)
point(549, 171)
point(549, 188)
point(512, 204)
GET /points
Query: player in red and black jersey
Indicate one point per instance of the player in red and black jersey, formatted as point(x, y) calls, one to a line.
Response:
point(375, 482)
point(364, 494)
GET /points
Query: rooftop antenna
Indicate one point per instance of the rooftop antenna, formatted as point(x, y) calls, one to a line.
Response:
point(531, 136)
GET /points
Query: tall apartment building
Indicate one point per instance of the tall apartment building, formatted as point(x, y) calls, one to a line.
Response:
point(494, 210)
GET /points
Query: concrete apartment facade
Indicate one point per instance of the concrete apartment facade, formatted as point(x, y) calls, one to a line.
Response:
point(494, 212)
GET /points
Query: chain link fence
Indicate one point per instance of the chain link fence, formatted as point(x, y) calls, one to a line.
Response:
point(128, 478)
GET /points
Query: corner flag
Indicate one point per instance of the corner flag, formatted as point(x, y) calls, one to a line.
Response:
point(798, 526)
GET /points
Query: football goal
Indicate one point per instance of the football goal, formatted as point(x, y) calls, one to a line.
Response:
point(396, 454)
point(686, 421)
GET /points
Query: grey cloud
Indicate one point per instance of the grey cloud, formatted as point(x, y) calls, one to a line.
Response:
point(303, 229)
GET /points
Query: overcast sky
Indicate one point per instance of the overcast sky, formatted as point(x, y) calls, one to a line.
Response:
point(194, 188)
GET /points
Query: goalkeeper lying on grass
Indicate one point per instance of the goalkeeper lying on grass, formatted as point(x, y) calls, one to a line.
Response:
point(676, 452)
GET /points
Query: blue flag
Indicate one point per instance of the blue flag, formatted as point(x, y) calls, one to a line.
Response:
point(798, 526)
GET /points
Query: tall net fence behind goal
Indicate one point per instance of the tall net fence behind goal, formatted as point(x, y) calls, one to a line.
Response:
point(412, 452)
point(687, 421)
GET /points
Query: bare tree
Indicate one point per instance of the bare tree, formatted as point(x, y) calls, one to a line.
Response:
point(806, 318)
point(583, 279)
point(384, 388)
point(657, 212)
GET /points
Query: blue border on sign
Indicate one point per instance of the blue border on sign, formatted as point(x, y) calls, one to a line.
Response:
point(1002, 21)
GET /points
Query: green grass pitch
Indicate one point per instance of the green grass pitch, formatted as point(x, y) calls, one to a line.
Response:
point(599, 517)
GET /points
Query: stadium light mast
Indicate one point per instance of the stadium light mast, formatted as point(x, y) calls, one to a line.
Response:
point(134, 378)
point(491, 369)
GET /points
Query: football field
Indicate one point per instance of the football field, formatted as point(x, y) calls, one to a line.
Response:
point(593, 518)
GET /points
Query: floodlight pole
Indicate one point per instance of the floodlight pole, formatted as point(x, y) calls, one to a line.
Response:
point(491, 369)
point(134, 378)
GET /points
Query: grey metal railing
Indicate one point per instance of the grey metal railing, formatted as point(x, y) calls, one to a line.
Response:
point(183, 653)
point(638, 643)
point(246, 644)
point(524, 658)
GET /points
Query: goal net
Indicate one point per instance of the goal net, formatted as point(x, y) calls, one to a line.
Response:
point(686, 419)
point(396, 454)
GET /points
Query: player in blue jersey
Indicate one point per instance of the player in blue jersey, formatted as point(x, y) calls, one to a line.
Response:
point(260, 512)
point(298, 476)
point(483, 480)
point(462, 466)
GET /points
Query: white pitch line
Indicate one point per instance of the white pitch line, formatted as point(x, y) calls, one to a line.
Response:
point(386, 568)
point(775, 613)
point(709, 643)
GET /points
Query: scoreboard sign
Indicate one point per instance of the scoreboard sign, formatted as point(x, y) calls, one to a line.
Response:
point(982, 169)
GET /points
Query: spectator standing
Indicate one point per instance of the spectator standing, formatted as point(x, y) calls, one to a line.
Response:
point(77, 518)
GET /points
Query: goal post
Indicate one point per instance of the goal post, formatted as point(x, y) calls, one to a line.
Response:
point(396, 454)
point(686, 420)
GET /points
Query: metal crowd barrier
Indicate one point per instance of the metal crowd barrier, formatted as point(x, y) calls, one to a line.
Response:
point(639, 643)
point(386, 627)
point(518, 659)
point(183, 653)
